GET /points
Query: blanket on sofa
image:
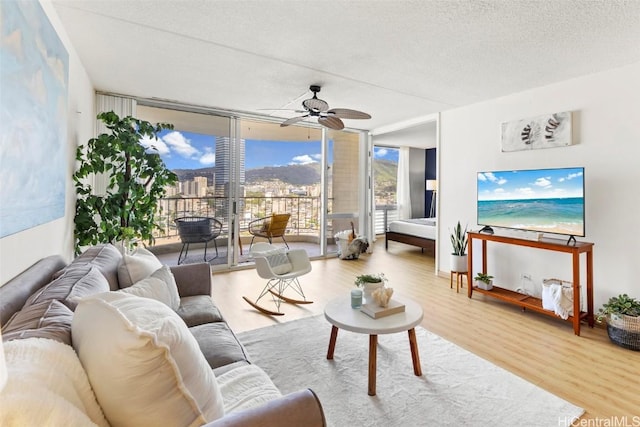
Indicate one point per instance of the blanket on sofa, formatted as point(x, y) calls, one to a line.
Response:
point(47, 385)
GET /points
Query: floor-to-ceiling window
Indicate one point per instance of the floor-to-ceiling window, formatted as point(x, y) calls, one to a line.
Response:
point(240, 169)
point(385, 173)
point(198, 150)
point(283, 176)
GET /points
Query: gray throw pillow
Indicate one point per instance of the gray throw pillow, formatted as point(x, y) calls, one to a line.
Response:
point(47, 319)
point(76, 281)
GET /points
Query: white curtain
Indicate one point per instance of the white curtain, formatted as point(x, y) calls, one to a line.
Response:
point(122, 107)
point(404, 193)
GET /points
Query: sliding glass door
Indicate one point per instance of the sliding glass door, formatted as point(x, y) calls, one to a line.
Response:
point(282, 175)
point(239, 170)
point(201, 150)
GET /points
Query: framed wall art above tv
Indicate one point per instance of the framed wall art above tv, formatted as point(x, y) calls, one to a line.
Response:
point(547, 131)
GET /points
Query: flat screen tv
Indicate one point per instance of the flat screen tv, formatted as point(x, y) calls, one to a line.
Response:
point(541, 200)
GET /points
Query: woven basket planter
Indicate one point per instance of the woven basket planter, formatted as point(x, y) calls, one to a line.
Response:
point(624, 331)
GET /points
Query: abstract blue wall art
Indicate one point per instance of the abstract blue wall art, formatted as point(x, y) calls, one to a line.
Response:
point(33, 118)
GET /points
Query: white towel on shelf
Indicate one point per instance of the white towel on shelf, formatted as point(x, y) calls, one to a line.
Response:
point(558, 297)
point(563, 299)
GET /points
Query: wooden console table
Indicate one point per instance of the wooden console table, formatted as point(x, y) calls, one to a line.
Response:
point(530, 302)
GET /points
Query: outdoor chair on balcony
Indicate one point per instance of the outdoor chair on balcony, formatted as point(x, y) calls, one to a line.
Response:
point(197, 229)
point(269, 227)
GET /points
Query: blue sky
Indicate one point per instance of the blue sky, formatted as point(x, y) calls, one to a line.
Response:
point(530, 184)
point(188, 150)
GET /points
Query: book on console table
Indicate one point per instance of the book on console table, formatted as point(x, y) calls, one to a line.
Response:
point(375, 311)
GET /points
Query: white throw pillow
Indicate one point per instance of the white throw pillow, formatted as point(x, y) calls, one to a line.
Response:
point(145, 366)
point(137, 266)
point(160, 286)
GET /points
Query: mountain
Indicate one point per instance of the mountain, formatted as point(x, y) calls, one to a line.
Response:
point(189, 174)
point(309, 174)
point(385, 171)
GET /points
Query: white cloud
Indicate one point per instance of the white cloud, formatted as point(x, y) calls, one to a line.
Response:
point(542, 182)
point(482, 177)
point(574, 175)
point(156, 145)
point(209, 158)
point(303, 160)
point(179, 144)
point(491, 177)
point(525, 192)
point(380, 152)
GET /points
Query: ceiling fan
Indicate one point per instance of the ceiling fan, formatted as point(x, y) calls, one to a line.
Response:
point(316, 107)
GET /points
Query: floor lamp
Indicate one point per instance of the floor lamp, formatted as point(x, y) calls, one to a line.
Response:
point(432, 185)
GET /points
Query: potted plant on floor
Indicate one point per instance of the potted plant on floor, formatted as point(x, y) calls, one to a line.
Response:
point(484, 281)
point(369, 283)
point(622, 316)
point(459, 244)
point(137, 178)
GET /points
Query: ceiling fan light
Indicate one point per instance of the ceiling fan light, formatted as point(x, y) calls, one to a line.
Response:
point(315, 104)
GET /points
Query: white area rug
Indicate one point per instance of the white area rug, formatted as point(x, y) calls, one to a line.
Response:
point(456, 387)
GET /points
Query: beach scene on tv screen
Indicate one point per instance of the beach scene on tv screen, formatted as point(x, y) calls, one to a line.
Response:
point(543, 200)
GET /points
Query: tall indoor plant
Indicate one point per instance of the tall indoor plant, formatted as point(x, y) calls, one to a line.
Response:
point(459, 247)
point(136, 177)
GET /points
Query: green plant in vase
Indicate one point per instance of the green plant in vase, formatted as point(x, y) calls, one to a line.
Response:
point(137, 178)
point(363, 279)
point(622, 315)
point(459, 244)
point(484, 281)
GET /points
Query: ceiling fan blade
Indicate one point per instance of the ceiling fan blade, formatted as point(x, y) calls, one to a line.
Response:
point(346, 113)
point(315, 104)
point(293, 120)
point(282, 109)
point(331, 122)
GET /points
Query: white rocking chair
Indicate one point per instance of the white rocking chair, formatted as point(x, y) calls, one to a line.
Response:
point(281, 269)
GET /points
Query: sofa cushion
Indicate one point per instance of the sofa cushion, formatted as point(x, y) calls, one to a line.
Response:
point(160, 286)
point(218, 343)
point(144, 365)
point(198, 309)
point(246, 387)
point(75, 282)
point(46, 386)
point(137, 266)
point(17, 291)
point(47, 319)
point(106, 257)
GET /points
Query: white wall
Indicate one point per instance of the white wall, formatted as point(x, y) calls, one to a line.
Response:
point(20, 250)
point(606, 118)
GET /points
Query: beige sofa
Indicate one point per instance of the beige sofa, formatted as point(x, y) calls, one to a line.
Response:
point(115, 339)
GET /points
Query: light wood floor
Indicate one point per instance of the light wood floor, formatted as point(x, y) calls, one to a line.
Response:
point(588, 371)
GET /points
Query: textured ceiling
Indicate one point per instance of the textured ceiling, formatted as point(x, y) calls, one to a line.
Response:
point(397, 60)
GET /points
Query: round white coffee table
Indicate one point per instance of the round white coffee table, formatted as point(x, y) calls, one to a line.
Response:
point(341, 316)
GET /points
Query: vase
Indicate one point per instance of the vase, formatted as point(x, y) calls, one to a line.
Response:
point(368, 290)
point(486, 286)
point(459, 263)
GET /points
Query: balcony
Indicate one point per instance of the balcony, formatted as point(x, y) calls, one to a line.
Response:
point(303, 230)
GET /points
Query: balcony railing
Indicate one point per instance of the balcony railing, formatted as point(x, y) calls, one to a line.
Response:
point(305, 213)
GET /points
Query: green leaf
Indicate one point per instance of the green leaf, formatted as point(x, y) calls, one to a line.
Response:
point(128, 207)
